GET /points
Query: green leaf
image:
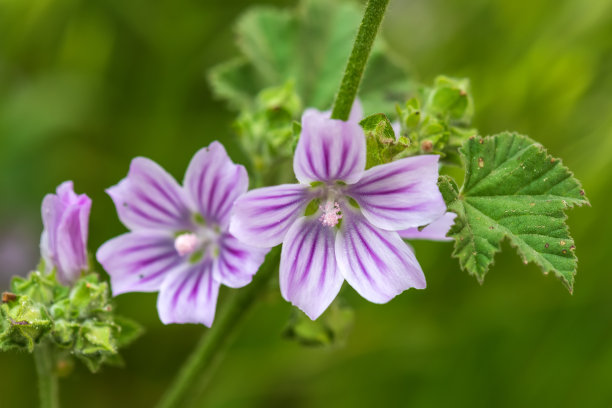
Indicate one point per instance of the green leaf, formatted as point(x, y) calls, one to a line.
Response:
point(451, 98)
point(309, 45)
point(513, 189)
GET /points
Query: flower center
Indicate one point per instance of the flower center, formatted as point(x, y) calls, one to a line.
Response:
point(186, 243)
point(331, 214)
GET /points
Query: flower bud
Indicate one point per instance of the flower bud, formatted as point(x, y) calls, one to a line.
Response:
point(63, 243)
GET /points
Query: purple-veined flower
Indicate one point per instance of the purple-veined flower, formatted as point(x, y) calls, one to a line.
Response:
point(63, 243)
point(341, 221)
point(179, 242)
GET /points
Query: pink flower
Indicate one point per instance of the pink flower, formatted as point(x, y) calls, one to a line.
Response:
point(341, 221)
point(179, 242)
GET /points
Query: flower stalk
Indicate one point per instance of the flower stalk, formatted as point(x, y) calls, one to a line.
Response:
point(375, 10)
point(48, 389)
point(202, 361)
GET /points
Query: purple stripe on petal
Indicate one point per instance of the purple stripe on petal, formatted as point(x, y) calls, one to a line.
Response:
point(377, 263)
point(189, 295)
point(63, 243)
point(262, 217)
point(237, 262)
point(308, 274)
point(400, 195)
point(329, 150)
point(149, 198)
point(214, 182)
point(138, 261)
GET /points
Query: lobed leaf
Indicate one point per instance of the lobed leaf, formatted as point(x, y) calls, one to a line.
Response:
point(513, 189)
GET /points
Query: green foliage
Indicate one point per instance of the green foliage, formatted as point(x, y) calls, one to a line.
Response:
point(513, 189)
point(23, 322)
point(435, 121)
point(438, 119)
point(381, 143)
point(331, 329)
point(268, 132)
point(316, 42)
point(79, 319)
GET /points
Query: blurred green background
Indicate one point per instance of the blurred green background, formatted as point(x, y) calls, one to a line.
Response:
point(85, 85)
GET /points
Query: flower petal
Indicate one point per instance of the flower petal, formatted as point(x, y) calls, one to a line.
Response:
point(71, 247)
point(309, 277)
point(397, 128)
point(435, 231)
point(356, 111)
point(377, 263)
point(237, 262)
point(64, 239)
point(262, 217)
point(402, 194)
point(329, 150)
point(214, 182)
point(189, 295)
point(139, 261)
point(150, 198)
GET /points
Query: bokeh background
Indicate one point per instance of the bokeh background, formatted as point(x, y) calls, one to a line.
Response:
point(85, 85)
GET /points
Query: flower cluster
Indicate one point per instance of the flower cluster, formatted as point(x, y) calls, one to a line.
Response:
point(340, 222)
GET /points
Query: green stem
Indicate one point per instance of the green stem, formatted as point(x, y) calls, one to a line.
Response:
point(201, 361)
point(375, 10)
point(47, 379)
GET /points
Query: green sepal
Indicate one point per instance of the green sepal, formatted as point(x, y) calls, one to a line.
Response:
point(381, 144)
point(513, 189)
point(126, 330)
point(77, 320)
point(450, 97)
point(312, 207)
point(437, 120)
point(39, 287)
point(332, 328)
point(23, 323)
point(268, 132)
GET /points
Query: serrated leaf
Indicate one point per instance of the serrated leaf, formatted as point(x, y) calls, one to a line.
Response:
point(513, 189)
point(309, 45)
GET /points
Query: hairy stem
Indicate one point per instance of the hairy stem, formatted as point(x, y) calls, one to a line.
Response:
point(202, 359)
point(375, 10)
point(48, 389)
